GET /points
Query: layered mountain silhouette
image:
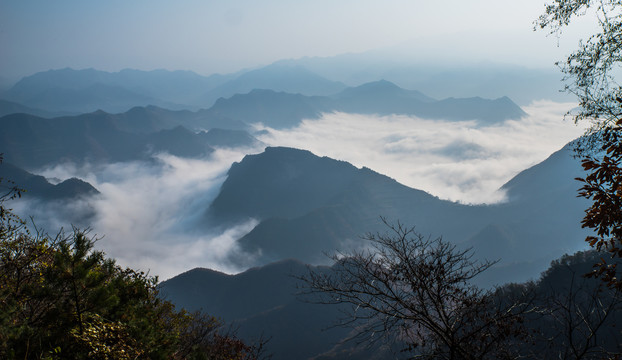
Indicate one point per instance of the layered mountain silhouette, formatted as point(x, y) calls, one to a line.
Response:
point(521, 84)
point(306, 205)
point(30, 142)
point(276, 77)
point(274, 109)
point(78, 91)
point(152, 118)
point(36, 186)
point(284, 110)
point(277, 95)
point(309, 205)
point(11, 107)
point(70, 91)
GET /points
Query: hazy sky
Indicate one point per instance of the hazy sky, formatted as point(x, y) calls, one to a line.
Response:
point(210, 36)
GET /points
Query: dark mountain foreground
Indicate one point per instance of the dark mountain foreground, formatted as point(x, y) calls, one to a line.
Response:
point(267, 301)
point(263, 301)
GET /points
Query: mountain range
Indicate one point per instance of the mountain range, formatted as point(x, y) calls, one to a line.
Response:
point(283, 110)
point(30, 141)
point(308, 205)
point(488, 80)
point(290, 79)
point(70, 92)
point(10, 107)
point(79, 91)
point(276, 108)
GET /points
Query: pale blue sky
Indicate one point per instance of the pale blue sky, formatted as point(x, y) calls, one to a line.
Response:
point(210, 36)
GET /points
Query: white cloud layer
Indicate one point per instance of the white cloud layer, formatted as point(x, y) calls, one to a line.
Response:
point(147, 214)
point(458, 161)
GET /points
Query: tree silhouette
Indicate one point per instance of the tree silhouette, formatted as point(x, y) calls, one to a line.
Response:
point(419, 290)
point(62, 299)
point(591, 73)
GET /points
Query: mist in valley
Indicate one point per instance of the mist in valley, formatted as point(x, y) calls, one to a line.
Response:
point(151, 214)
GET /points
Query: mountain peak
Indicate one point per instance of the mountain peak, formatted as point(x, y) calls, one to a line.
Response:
point(281, 172)
point(382, 90)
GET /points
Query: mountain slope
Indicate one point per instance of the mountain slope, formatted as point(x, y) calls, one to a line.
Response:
point(309, 205)
point(261, 301)
point(30, 142)
point(543, 208)
point(37, 186)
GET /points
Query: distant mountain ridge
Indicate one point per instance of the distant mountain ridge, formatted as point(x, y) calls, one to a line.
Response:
point(274, 109)
point(381, 90)
point(384, 98)
point(488, 80)
point(308, 205)
point(114, 92)
point(10, 107)
point(37, 186)
point(278, 78)
point(79, 91)
point(82, 91)
point(283, 110)
point(30, 141)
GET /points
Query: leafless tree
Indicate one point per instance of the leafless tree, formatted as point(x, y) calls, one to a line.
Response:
point(419, 291)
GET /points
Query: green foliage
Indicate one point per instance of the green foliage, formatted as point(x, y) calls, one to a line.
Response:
point(62, 299)
point(102, 339)
point(591, 73)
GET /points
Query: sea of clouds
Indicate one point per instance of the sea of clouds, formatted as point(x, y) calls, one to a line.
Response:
point(459, 161)
point(149, 215)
